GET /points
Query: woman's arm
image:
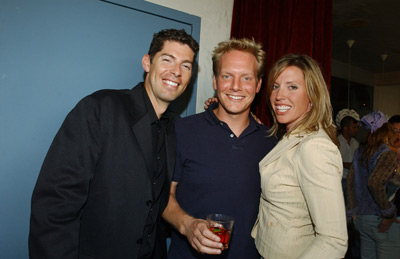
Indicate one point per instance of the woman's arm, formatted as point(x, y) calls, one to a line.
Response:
point(378, 179)
point(320, 174)
point(351, 205)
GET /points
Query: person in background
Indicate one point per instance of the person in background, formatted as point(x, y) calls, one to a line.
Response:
point(105, 180)
point(347, 121)
point(395, 121)
point(369, 202)
point(302, 212)
point(395, 146)
point(217, 159)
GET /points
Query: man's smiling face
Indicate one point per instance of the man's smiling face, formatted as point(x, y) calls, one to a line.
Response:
point(236, 83)
point(168, 73)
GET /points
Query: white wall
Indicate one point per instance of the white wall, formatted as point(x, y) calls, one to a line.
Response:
point(387, 93)
point(216, 18)
point(387, 99)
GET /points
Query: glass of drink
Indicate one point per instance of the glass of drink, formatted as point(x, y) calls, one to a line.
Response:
point(221, 225)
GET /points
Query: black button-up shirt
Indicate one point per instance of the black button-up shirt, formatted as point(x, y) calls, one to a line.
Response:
point(159, 184)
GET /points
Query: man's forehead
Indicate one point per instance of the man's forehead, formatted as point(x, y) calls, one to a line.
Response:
point(175, 49)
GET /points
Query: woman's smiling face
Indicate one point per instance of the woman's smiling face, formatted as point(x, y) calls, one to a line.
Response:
point(289, 97)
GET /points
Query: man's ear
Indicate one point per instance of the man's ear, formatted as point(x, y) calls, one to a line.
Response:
point(258, 85)
point(214, 83)
point(146, 63)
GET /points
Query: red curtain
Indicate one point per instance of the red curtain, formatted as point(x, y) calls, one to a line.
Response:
point(285, 26)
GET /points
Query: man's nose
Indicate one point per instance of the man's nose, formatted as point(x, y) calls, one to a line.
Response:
point(236, 86)
point(176, 70)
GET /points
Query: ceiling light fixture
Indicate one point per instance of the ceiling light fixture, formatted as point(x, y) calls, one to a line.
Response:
point(383, 57)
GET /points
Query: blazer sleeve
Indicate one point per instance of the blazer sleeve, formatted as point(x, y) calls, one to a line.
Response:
point(320, 173)
point(63, 184)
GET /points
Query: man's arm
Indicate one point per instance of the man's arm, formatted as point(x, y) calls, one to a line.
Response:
point(63, 185)
point(195, 230)
point(347, 165)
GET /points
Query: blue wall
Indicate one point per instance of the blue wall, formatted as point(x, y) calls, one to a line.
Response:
point(53, 53)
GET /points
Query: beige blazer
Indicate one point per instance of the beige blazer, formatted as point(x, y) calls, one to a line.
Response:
point(302, 212)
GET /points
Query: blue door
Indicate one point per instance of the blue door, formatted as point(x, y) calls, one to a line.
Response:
point(53, 53)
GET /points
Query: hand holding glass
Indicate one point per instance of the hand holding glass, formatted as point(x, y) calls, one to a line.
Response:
point(221, 226)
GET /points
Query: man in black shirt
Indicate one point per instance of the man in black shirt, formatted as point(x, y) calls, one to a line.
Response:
point(105, 180)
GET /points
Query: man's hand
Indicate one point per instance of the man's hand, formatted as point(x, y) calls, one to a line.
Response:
point(256, 118)
point(196, 230)
point(201, 238)
point(210, 101)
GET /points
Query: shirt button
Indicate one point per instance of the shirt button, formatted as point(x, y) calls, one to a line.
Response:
point(221, 123)
point(232, 135)
point(158, 158)
point(154, 183)
point(149, 203)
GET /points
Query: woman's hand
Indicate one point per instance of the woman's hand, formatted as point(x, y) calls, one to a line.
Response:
point(386, 223)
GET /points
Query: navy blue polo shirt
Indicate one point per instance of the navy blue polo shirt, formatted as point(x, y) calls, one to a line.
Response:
point(217, 172)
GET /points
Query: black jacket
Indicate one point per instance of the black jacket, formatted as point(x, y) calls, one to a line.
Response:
point(93, 193)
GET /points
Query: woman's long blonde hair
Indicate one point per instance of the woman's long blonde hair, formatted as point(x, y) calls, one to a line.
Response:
point(320, 114)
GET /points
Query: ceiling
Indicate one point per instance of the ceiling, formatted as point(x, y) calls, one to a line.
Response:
point(374, 26)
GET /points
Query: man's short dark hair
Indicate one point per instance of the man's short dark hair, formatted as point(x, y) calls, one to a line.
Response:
point(346, 121)
point(171, 35)
point(394, 119)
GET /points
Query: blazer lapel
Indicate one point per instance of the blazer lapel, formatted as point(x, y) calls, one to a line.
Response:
point(284, 145)
point(141, 125)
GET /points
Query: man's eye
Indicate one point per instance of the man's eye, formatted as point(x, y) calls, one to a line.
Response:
point(187, 67)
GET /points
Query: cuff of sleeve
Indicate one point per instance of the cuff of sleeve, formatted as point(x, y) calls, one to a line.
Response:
point(350, 214)
point(389, 213)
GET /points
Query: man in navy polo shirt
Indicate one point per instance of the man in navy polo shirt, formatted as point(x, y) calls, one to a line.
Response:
point(217, 159)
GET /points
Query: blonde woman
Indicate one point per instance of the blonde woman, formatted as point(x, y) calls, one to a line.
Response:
point(302, 213)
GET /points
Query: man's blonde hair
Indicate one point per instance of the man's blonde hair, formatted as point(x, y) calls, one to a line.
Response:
point(244, 44)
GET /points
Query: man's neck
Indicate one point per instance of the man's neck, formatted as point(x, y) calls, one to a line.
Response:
point(159, 106)
point(236, 122)
point(346, 137)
